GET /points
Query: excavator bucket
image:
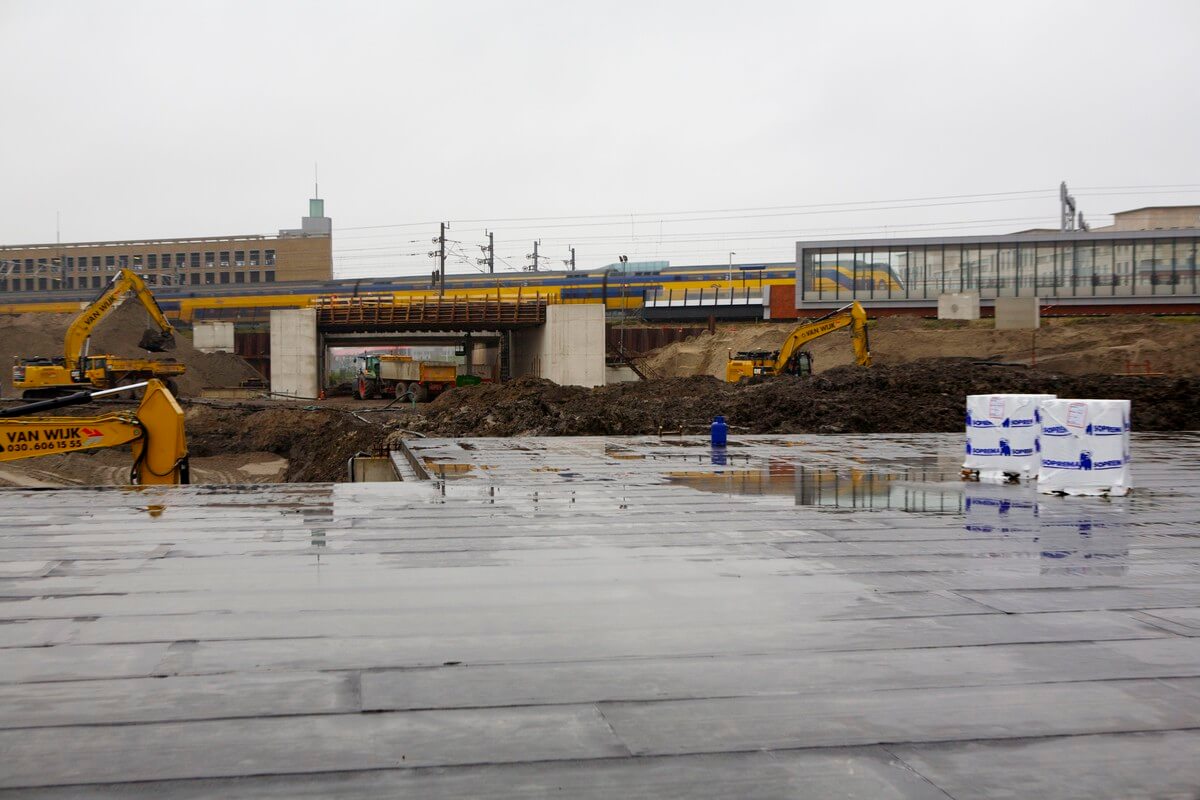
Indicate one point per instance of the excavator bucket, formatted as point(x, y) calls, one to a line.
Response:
point(156, 341)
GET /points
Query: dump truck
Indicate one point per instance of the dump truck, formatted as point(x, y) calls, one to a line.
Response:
point(76, 370)
point(402, 376)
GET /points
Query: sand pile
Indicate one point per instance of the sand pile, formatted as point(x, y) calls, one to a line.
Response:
point(1075, 346)
point(28, 335)
point(925, 396)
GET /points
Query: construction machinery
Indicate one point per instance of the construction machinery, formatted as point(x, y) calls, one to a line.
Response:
point(155, 431)
point(790, 359)
point(401, 376)
point(76, 370)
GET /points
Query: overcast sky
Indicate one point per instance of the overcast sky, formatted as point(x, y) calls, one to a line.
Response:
point(170, 119)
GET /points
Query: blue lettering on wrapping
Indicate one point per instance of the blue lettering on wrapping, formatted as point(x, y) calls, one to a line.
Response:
point(1097, 429)
point(1055, 430)
point(1020, 423)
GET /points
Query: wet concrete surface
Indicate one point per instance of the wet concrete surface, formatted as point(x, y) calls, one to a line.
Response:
point(801, 616)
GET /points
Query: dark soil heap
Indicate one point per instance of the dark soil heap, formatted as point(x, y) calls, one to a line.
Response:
point(923, 396)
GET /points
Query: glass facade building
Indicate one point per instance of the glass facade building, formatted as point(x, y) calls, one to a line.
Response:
point(1066, 265)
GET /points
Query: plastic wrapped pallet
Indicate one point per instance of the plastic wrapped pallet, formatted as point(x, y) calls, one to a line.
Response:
point(1002, 434)
point(1085, 447)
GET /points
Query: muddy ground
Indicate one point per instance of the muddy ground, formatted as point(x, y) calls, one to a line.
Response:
point(923, 396)
point(265, 440)
point(1071, 345)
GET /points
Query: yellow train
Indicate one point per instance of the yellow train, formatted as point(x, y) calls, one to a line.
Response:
point(617, 289)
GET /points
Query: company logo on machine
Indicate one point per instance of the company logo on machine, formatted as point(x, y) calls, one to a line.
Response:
point(91, 435)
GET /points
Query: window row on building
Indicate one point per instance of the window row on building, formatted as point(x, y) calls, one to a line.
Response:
point(15, 283)
point(999, 266)
point(144, 261)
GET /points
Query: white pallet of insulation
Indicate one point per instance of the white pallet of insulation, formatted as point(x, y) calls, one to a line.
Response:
point(1085, 447)
point(1002, 434)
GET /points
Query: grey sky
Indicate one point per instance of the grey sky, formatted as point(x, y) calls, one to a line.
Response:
point(205, 118)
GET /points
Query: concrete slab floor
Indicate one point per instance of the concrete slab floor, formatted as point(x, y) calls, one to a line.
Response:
point(793, 616)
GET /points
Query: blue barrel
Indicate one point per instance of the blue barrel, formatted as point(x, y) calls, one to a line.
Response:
point(719, 431)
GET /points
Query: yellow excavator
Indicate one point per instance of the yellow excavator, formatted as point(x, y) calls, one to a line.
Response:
point(155, 431)
point(790, 359)
point(53, 377)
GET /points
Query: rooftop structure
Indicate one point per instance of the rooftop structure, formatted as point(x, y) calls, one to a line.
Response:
point(804, 616)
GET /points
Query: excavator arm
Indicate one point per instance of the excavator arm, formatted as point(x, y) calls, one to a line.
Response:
point(155, 432)
point(121, 284)
point(746, 365)
point(852, 316)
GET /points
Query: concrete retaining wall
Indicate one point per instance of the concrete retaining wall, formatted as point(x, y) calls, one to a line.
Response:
point(213, 337)
point(294, 352)
point(958, 306)
point(1018, 313)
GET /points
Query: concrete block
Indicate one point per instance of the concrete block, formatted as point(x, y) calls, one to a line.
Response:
point(294, 352)
point(213, 337)
point(620, 373)
point(958, 306)
point(1018, 313)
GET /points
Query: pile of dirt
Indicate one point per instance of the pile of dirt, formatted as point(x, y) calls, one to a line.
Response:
point(923, 396)
point(1070, 345)
point(317, 443)
point(36, 334)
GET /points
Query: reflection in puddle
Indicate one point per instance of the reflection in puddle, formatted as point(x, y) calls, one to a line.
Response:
point(1072, 536)
point(923, 489)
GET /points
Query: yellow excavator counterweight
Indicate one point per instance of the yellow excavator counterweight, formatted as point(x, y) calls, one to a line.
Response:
point(155, 431)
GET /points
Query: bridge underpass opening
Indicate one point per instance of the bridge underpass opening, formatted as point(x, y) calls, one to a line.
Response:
point(562, 343)
point(475, 353)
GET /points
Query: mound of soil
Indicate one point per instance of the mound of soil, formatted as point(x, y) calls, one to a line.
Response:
point(317, 443)
point(922, 396)
point(1070, 345)
point(35, 334)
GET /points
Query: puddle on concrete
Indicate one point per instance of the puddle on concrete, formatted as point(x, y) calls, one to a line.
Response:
point(917, 489)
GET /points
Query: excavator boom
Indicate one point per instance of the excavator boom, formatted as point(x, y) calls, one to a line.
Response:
point(121, 284)
point(853, 316)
